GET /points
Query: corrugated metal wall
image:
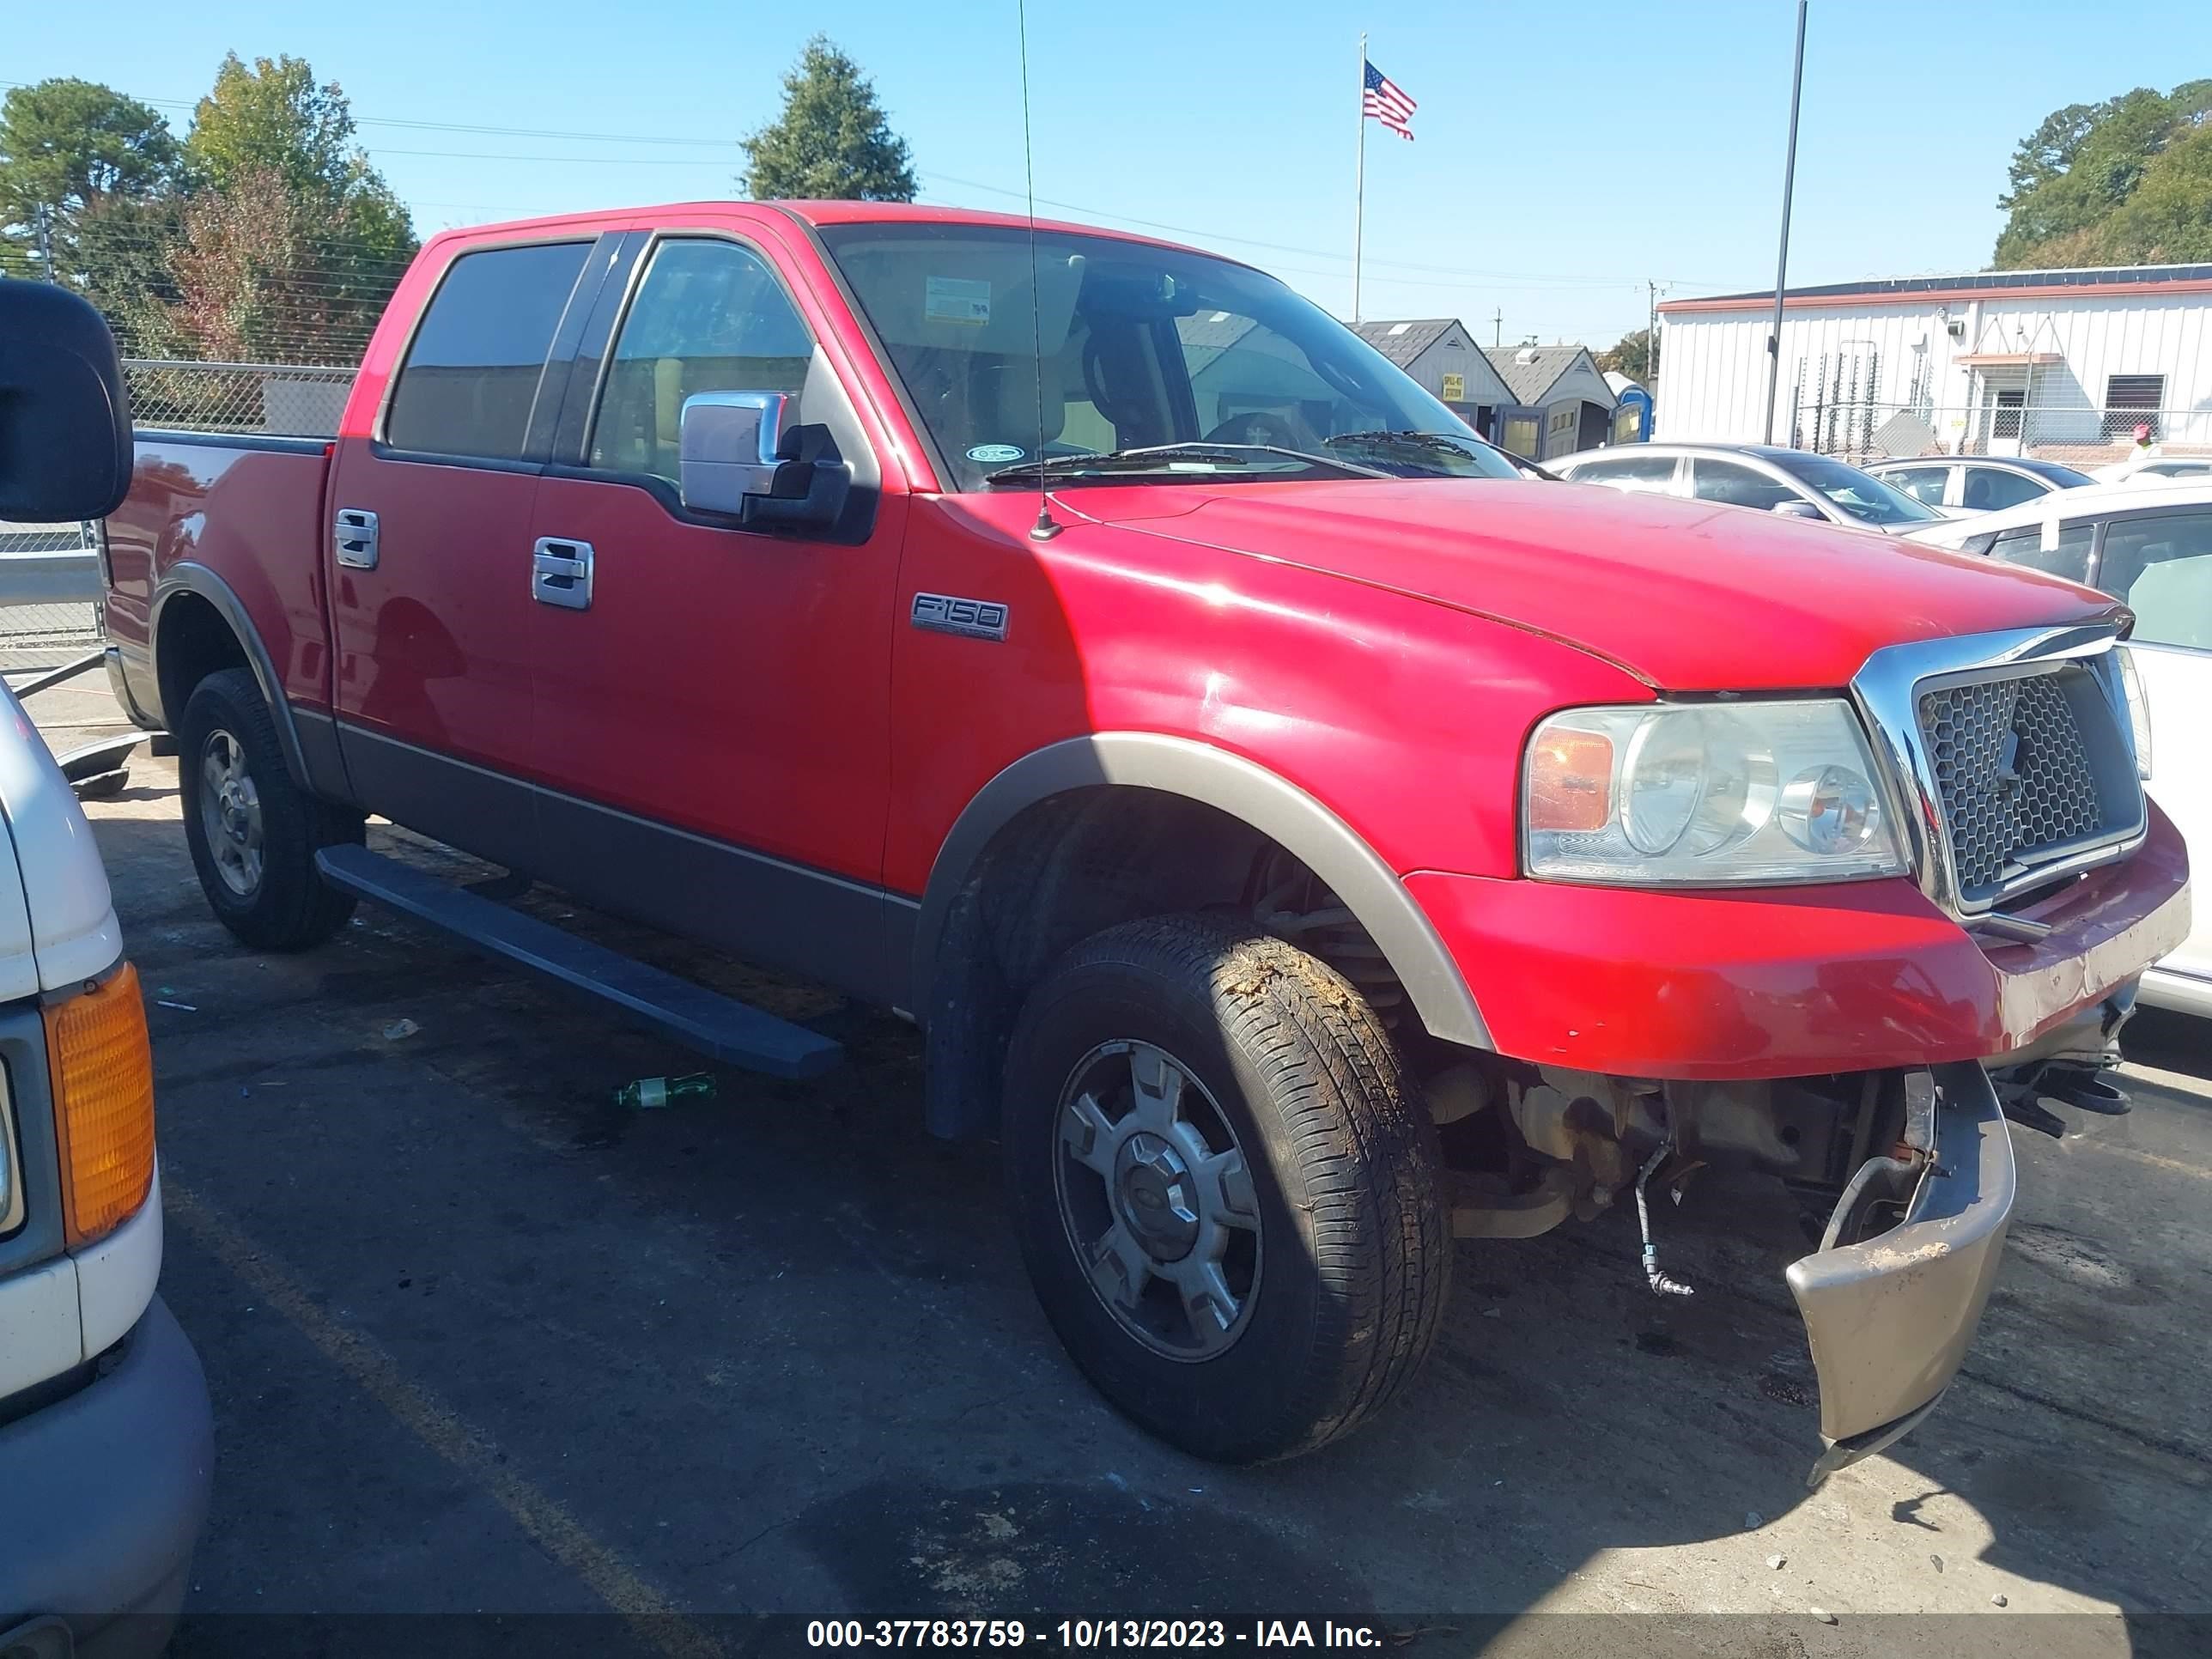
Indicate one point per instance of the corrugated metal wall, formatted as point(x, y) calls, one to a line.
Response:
point(1713, 379)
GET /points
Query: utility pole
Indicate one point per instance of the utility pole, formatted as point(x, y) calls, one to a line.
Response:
point(1782, 259)
point(1651, 334)
point(1498, 327)
point(45, 246)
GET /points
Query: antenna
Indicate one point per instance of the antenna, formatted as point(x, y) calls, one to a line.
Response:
point(1045, 528)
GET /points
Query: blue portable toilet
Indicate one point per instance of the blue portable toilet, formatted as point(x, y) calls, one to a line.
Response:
point(1632, 410)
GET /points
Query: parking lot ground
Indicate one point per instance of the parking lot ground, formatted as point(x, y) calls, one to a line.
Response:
point(479, 1341)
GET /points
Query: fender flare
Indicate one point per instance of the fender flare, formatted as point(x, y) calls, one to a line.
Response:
point(1245, 791)
point(188, 577)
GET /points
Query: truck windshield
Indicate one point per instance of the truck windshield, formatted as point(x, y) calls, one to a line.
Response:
point(1176, 365)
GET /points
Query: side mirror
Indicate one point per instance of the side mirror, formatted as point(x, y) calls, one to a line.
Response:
point(65, 416)
point(1798, 510)
point(737, 456)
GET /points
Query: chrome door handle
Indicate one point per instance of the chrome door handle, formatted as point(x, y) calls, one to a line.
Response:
point(560, 573)
point(353, 533)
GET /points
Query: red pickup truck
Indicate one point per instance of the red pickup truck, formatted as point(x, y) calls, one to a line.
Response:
point(1302, 838)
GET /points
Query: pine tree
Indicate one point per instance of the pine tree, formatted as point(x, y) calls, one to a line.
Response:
point(832, 141)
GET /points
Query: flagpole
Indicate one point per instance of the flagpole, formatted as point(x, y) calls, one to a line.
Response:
point(1359, 182)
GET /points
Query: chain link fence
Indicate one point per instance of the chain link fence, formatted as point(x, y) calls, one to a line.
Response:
point(291, 400)
point(1860, 430)
point(49, 589)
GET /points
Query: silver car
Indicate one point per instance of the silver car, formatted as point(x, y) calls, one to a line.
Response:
point(1763, 476)
point(1977, 484)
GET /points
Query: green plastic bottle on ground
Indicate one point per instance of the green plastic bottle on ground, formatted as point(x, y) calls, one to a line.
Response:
point(644, 1094)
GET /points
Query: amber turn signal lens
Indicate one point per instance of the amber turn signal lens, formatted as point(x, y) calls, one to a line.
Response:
point(1570, 780)
point(102, 1072)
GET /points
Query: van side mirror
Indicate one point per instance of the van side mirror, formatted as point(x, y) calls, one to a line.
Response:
point(1798, 510)
point(739, 457)
point(64, 415)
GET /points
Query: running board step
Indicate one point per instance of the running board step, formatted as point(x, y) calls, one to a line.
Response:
point(718, 1026)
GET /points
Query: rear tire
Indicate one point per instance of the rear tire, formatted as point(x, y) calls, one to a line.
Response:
point(1227, 1200)
point(253, 831)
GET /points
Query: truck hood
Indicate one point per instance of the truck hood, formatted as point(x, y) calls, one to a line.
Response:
point(56, 922)
point(1688, 596)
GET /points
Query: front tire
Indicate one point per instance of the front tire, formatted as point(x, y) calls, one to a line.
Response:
point(253, 831)
point(1227, 1199)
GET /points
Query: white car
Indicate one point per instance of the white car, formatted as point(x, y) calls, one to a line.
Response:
point(1763, 476)
point(2149, 545)
point(107, 1437)
point(1976, 483)
point(2154, 469)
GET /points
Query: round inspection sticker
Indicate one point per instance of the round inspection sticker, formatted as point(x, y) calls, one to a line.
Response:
point(991, 453)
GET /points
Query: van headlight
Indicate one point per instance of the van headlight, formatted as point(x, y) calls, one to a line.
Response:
point(1706, 795)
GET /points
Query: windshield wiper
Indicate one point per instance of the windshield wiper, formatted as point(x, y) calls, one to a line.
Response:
point(1432, 443)
point(1168, 458)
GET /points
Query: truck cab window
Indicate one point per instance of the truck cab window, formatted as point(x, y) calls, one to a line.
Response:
point(473, 372)
point(709, 316)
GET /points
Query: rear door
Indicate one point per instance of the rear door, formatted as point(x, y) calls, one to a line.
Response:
point(712, 711)
point(428, 550)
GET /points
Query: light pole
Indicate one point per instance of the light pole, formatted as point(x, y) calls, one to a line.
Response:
point(1782, 259)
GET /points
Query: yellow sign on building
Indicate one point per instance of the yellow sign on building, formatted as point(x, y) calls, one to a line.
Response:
point(1455, 388)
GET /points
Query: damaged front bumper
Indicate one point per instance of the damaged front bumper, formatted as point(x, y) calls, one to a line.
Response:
point(1889, 1317)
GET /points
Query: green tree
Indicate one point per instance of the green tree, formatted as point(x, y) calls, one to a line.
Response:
point(1632, 355)
point(832, 141)
point(2122, 182)
point(71, 150)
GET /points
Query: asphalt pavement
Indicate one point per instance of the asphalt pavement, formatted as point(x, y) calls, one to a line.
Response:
point(482, 1342)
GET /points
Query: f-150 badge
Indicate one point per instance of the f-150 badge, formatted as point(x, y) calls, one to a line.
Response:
point(977, 619)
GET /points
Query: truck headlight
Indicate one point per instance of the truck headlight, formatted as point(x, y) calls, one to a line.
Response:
point(1706, 795)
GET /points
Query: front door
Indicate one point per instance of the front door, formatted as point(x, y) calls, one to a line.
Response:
point(2161, 565)
point(431, 611)
point(712, 708)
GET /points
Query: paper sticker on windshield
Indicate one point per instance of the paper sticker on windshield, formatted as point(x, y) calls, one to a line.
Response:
point(957, 300)
point(992, 454)
point(2049, 543)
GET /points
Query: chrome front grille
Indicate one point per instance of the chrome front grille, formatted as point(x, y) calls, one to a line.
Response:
point(2016, 782)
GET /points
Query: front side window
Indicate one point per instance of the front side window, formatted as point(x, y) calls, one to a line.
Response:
point(1738, 485)
point(1856, 495)
point(1988, 487)
point(2162, 568)
point(1923, 483)
point(1107, 358)
point(2067, 557)
point(709, 316)
point(472, 372)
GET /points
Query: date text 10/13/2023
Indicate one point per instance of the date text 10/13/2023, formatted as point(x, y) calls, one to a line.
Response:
point(1085, 1634)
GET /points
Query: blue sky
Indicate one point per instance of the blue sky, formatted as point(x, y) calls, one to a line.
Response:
point(1566, 154)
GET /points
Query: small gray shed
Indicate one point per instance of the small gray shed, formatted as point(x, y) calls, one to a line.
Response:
point(1562, 401)
point(1440, 354)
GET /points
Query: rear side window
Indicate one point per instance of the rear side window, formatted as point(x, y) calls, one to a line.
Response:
point(2163, 568)
point(473, 371)
point(2068, 556)
point(1628, 472)
point(1988, 487)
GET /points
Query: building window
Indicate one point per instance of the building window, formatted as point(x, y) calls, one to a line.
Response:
point(2133, 400)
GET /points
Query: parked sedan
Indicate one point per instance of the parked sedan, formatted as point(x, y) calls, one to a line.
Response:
point(2151, 546)
point(1977, 484)
point(1761, 475)
point(2156, 469)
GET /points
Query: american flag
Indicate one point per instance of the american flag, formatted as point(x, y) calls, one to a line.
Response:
point(1383, 101)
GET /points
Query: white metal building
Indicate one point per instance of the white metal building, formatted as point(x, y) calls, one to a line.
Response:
point(2064, 364)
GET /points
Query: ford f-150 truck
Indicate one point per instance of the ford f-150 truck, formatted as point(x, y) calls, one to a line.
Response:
point(106, 1439)
point(1301, 838)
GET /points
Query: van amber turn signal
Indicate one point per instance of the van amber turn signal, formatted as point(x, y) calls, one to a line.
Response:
point(102, 1070)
